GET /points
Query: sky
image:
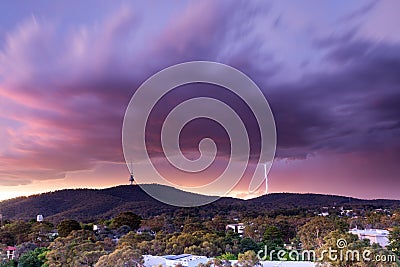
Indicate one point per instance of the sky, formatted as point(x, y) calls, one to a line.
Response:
point(330, 71)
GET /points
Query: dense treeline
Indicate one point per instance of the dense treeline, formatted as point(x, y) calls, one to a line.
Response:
point(128, 236)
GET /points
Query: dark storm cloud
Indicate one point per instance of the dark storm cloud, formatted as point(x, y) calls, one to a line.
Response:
point(68, 90)
point(337, 110)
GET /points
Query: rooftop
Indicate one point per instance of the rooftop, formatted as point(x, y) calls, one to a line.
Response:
point(176, 257)
point(370, 231)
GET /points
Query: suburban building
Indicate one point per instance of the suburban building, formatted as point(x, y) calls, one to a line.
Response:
point(39, 218)
point(145, 230)
point(187, 260)
point(378, 236)
point(10, 252)
point(193, 261)
point(184, 259)
point(236, 227)
point(150, 261)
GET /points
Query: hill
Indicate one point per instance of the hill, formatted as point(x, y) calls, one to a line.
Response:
point(93, 204)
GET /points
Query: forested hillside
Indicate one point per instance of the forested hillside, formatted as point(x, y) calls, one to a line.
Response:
point(94, 204)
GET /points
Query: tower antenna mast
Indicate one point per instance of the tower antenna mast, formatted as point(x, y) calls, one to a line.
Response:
point(131, 178)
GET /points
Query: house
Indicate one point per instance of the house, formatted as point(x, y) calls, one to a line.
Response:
point(378, 236)
point(192, 261)
point(99, 228)
point(150, 260)
point(236, 227)
point(10, 252)
point(187, 260)
point(145, 230)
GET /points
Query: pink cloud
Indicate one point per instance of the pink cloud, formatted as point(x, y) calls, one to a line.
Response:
point(64, 89)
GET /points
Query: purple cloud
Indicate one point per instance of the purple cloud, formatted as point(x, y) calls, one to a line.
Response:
point(333, 89)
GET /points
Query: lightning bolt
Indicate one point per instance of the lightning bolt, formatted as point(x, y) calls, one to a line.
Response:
point(266, 177)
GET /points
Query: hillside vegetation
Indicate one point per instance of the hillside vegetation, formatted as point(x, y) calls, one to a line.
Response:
point(94, 204)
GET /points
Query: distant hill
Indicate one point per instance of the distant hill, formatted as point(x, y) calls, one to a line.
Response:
point(93, 204)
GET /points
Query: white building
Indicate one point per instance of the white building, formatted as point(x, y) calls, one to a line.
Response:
point(378, 236)
point(10, 252)
point(192, 261)
point(150, 261)
point(236, 227)
point(39, 218)
point(186, 260)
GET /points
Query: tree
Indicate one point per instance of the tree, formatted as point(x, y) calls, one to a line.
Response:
point(24, 248)
point(287, 226)
point(6, 238)
point(15, 233)
point(231, 241)
point(342, 225)
point(145, 243)
point(44, 227)
point(273, 238)
point(248, 259)
point(122, 257)
point(373, 220)
point(190, 227)
point(396, 218)
point(331, 243)
point(255, 228)
point(40, 233)
point(210, 245)
point(32, 258)
point(7, 263)
point(348, 251)
point(123, 230)
point(178, 242)
point(313, 232)
point(79, 248)
point(198, 242)
point(217, 224)
point(65, 227)
point(394, 239)
point(228, 256)
point(87, 253)
point(132, 239)
point(156, 223)
point(127, 218)
point(248, 244)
